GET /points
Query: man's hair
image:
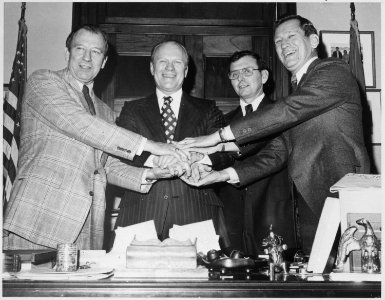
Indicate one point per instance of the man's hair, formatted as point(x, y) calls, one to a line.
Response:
point(90, 28)
point(239, 54)
point(305, 24)
point(156, 47)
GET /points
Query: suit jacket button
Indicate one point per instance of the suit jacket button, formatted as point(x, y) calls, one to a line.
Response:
point(91, 193)
point(165, 196)
point(96, 172)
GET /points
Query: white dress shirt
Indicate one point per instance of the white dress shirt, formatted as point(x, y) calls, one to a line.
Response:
point(234, 178)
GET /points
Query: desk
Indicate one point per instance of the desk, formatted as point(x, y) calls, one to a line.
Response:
point(193, 288)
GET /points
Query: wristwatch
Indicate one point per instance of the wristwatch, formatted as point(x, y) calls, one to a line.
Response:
point(223, 140)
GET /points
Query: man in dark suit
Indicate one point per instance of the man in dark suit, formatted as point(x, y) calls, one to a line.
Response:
point(251, 209)
point(170, 115)
point(321, 125)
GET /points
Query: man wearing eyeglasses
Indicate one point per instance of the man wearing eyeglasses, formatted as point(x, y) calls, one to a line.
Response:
point(320, 121)
point(251, 209)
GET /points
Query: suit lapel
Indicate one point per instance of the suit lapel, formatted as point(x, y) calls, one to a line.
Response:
point(78, 95)
point(309, 69)
point(265, 101)
point(188, 119)
point(153, 120)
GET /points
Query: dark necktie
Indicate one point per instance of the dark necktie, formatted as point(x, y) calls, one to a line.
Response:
point(248, 109)
point(168, 119)
point(86, 93)
point(293, 82)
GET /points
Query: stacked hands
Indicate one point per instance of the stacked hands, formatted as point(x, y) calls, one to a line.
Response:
point(186, 160)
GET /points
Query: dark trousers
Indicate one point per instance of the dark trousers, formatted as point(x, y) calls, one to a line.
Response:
point(306, 222)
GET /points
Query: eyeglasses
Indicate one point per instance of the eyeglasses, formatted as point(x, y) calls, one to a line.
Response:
point(245, 72)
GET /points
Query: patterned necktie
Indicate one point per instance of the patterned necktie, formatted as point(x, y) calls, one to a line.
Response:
point(248, 109)
point(293, 82)
point(168, 119)
point(86, 93)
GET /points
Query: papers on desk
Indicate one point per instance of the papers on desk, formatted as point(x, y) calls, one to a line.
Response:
point(125, 235)
point(355, 276)
point(123, 238)
point(203, 232)
point(50, 274)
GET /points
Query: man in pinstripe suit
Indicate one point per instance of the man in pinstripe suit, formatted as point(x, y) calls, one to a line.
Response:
point(59, 191)
point(170, 201)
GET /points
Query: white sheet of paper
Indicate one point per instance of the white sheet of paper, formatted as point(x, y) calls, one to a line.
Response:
point(203, 232)
point(141, 232)
point(123, 238)
point(325, 235)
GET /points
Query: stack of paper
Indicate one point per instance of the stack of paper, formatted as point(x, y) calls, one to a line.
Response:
point(123, 238)
point(169, 254)
point(202, 232)
point(50, 274)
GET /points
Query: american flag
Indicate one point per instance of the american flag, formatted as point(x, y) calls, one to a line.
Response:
point(12, 111)
point(355, 54)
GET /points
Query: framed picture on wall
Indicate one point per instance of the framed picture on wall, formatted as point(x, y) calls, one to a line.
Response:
point(337, 44)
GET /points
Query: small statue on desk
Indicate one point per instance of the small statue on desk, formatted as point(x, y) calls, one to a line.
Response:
point(275, 249)
point(368, 244)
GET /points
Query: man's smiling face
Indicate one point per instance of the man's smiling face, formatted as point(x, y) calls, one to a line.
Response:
point(169, 68)
point(86, 56)
point(293, 48)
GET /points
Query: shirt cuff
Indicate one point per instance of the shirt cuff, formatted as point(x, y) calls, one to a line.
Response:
point(206, 160)
point(228, 134)
point(146, 182)
point(149, 162)
point(234, 179)
point(141, 146)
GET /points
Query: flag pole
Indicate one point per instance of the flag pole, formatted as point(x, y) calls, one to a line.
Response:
point(352, 11)
point(22, 20)
point(23, 5)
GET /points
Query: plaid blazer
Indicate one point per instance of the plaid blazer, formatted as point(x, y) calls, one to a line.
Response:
point(59, 172)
